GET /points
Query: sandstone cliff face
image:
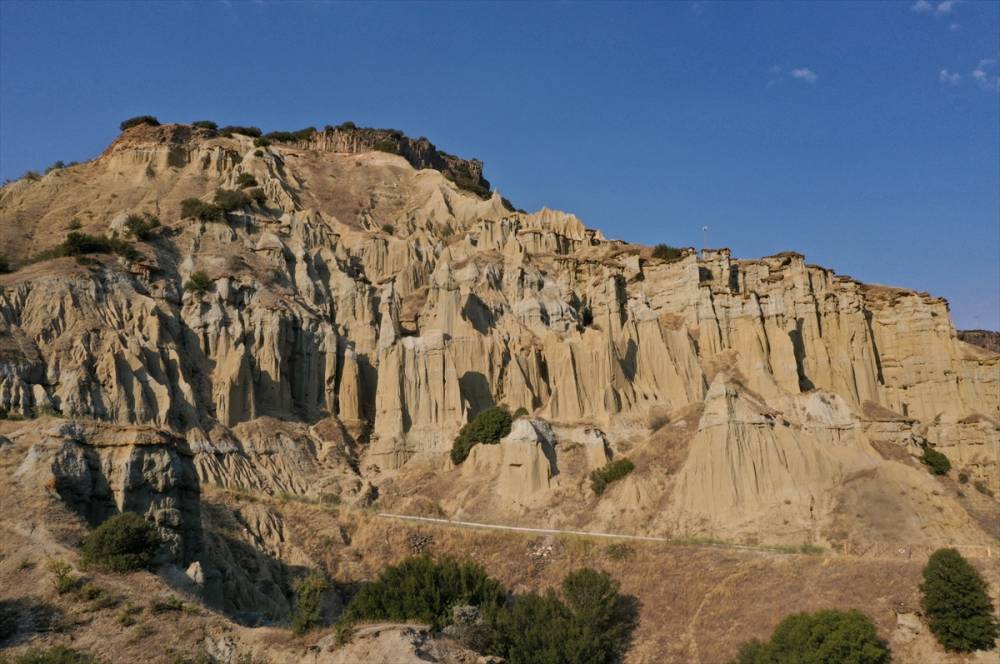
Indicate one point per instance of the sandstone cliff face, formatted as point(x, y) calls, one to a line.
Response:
point(366, 310)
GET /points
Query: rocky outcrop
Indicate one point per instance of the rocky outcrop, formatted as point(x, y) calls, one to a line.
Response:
point(987, 339)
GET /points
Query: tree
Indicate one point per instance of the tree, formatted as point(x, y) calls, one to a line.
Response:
point(195, 208)
point(614, 470)
point(422, 589)
point(244, 180)
point(199, 283)
point(487, 427)
point(205, 124)
point(937, 462)
point(141, 226)
point(124, 543)
point(666, 252)
point(308, 610)
point(958, 608)
point(847, 637)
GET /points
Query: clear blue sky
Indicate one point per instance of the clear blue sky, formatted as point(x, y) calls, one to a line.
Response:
point(865, 135)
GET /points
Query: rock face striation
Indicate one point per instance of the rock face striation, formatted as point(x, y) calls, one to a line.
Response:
point(377, 296)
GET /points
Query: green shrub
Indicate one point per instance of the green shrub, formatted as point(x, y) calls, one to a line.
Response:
point(55, 167)
point(615, 470)
point(140, 226)
point(587, 622)
point(82, 244)
point(229, 130)
point(982, 488)
point(963, 478)
point(4, 265)
point(308, 610)
point(31, 175)
point(388, 229)
point(520, 412)
point(666, 253)
point(75, 224)
point(956, 603)
point(487, 427)
point(229, 200)
point(140, 120)
point(262, 142)
point(935, 461)
point(387, 145)
point(244, 180)
point(258, 153)
point(54, 655)
point(63, 578)
point(195, 208)
point(823, 636)
point(421, 589)
point(257, 195)
point(619, 551)
point(290, 136)
point(199, 283)
point(124, 543)
point(343, 126)
point(168, 605)
point(205, 124)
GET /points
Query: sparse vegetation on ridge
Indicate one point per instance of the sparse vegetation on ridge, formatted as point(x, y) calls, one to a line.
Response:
point(665, 252)
point(611, 472)
point(199, 283)
point(487, 427)
point(195, 208)
point(244, 180)
point(53, 655)
point(229, 130)
point(957, 605)
point(205, 124)
point(139, 120)
point(141, 226)
point(307, 612)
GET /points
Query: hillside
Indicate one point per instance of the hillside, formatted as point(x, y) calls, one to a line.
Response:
point(260, 380)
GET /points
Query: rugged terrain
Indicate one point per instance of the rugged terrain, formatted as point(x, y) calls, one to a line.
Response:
point(377, 298)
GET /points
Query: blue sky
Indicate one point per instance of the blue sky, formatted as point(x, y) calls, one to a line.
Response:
point(864, 135)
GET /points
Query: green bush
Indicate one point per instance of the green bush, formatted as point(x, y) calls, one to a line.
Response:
point(666, 253)
point(388, 229)
point(982, 488)
point(421, 589)
point(615, 470)
point(229, 130)
point(124, 543)
point(63, 579)
point(387, 145)
point(935, 461)
point(140, 226)
point(82, 244)
point(139, 120)
point(55, 167)
point(31, 175)
point(343, 126)
point(54, 655)
point(262, 142)
point(4, 265)
point(816, 638)
point(195, 208)
point(308, 610)
point(229, 200)
point(520, 412)
point(290, 136)
point(957, 606)
point(199, 283)
point(588, 622)
point(205, 124)
point(75, 224)
point(244, 180)
point(487, 427)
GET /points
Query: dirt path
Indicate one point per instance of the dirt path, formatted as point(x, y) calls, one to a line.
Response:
point(969, 551)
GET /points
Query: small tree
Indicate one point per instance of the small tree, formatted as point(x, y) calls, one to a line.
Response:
point(388, 229)
point(199, 283)
point(140, 226)
point(229, 200)
point(308, 610)
point(205, 124)
point(958, 608)
point(139, 120)
point(244, 180)
point(195, 208)
point(487, 427)
point(937, 462)
point(124, 543)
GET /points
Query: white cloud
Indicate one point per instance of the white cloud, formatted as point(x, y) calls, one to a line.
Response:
point(949, 78)
point(805, 74)
point(939, 9)
point(985, 74)
point(945, 7)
